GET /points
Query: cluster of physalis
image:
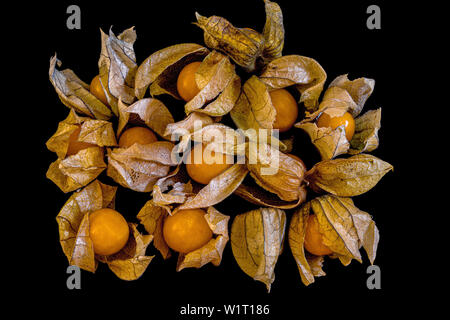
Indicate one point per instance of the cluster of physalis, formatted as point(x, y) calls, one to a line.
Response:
point(190, 165)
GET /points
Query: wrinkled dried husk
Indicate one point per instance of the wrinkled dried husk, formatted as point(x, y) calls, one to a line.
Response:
point(275, 171)
point(347, 177)
point(140, 166)
point(217, 137)
point(365, 138)
point(218, 189)
point(150, 111)
point(151, 216)
point(306, 74)
point(73, 222)
point(117, 67)
point(344, 229)
point(179, 191)
point(193, 122)
point(75, 93)
point(97, 132)
point(359, 89)
point(77, 170)
point(254, 109)
point(256, 240)
point(213, 250)
point(213, 76)
point(273, 31)
point(244, 46)
point(161, 69)
point(130, 262)
point(261, 197)
point(330, 143)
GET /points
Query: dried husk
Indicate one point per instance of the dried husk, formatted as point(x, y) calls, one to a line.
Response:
point(347, 177)
point(152, 218)
point(275, 171)
point(140, 166)
point(273, 31)
point(75, 94)
point(344, 229)
point(218, 189)
point(75, 171)
point(194, 121)
point(306, 74)
point(172, 189)
point(257, 239)
point(73, 222)
point(213, 250)
point(365, 138)
point(98, 132)
point(161, 69)
point(213, 76)
point(150, 111)
point(261, 197)
point(336, 101)
point(244, 46)
point(117, 67)
point(130, 262)
point(254, 109)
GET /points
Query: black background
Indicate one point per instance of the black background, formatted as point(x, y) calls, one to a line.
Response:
point(335, 34)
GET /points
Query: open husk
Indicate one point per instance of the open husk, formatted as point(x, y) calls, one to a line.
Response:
point(152, 218)
point(343, 96)
point(73, 221)
point(161, 69)
point(273, 31)
point(75, 94)
point(344, 229)
point(152, 112)
point(75, 171)
point(257, 239)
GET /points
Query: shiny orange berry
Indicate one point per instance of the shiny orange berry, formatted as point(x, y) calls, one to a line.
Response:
point(286, 107)
point(186, 84)
point(96, 89)
point(313, 239)
point(138, 135)
point(186, 230)
point(325, 120)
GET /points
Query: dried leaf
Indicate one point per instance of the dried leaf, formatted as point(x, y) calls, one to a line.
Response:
point(365, 138)
point(151, 216)
point(254, 109)
point(244, 46)
point(131, 262)
point(117, 67)
point(273, 31)
point(219, 72)
point(77, 170)
point(162, 68)
point(348, 177)
point(303, 72)
point(151, 111)
point(217, 189)
point(275, 171)
point(256, 241)
point(140, 166)
point(261, 197)
point(75, 94)
point(74, 225)
point(213, 250)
